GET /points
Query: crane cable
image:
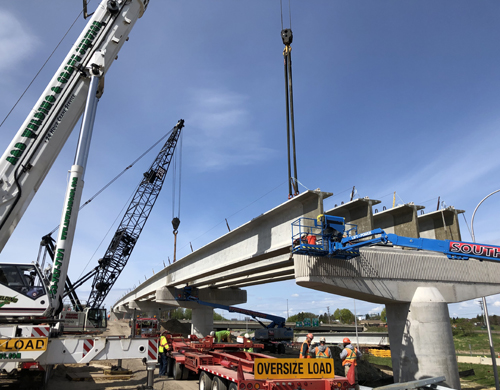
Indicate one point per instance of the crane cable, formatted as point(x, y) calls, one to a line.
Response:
point(176, 219)
point(177, 180)
point(117, 176)
point(289, 13)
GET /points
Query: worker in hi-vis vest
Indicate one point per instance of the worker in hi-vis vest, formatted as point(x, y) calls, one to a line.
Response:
point(322, 351)
point(247, 336)
point(304, 349)
point(222, 335)
point(162, 350)
point(349, 357)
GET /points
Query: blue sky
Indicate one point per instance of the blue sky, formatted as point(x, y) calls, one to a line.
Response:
point(389, 96)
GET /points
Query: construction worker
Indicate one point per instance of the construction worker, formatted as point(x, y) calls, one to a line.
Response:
point(349, 357)
point(322, 351)
point(247, 336)
point(222, 335)
point(304, 349)
point(162, 350)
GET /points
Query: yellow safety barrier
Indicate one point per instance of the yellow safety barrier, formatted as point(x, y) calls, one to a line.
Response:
point(380, 352)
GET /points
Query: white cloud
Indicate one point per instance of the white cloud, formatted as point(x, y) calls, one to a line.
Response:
point(496, 304)
point(455, 174)
point(16, 42)
point(377, 309)
point(295, 295)
point(222, 132)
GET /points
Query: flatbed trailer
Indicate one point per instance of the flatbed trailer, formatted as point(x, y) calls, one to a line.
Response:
point(226, 366)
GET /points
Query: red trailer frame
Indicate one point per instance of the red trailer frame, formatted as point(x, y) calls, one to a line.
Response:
point(225, 366)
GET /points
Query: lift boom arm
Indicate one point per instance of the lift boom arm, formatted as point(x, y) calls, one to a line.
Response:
point(276, 321)
point(329, 236)
point(30, 155)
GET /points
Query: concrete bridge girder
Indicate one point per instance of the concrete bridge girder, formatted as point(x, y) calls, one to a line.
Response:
point(238, 273)
point(257, 277)
point(227, 296)
point(265, 238)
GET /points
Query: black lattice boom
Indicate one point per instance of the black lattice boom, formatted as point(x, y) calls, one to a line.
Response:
point(125, 238)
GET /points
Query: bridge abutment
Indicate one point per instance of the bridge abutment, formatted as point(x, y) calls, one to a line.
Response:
point(421, 338)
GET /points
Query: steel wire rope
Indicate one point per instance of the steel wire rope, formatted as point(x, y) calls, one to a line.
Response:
point(177, 178)
point(43, 66)
point(117, 176)
point(111, 226)
point(126, 203)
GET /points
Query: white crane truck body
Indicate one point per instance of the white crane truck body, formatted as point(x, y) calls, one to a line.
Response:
point(26, 294)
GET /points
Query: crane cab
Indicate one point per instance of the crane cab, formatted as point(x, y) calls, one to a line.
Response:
point(23, 291)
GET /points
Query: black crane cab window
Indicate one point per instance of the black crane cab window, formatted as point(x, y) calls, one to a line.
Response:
point(22, 278)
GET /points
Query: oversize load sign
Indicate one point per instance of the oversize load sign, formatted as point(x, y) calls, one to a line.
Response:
point(19, 344)
point(465, 248)
point(293, 368)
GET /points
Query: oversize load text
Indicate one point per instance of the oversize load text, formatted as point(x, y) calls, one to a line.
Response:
point(293, 368)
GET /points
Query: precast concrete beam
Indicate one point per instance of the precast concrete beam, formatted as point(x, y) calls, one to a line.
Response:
point(120, 309)
point(148, 306)
point(226, 296)
point(401, 220)
point(385, 275)
point(441, 224)
point(265, 266)
point(266, 281)
point(258, 276)
point(264, 237)
point(357, 212)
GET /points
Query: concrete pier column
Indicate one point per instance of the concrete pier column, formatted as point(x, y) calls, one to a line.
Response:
point(421, 338)
point(202, 321)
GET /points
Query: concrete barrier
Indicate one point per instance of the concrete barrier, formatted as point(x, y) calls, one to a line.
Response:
point(477, 360)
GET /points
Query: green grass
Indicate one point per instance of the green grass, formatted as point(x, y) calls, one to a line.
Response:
point(377, 329)
point(381, 361)
point(479, 342)
point(483, 374)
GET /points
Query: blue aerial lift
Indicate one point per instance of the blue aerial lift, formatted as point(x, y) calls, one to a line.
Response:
point(330, 236)
point(271, 335)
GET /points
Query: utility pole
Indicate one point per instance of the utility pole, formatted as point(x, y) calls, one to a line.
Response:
point(328, 309)
point(481, 305)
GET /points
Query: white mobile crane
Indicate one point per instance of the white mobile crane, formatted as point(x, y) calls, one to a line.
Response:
point(30, 300)
point(30, 155)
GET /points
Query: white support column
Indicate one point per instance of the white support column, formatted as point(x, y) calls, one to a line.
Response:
point(421, 338)
point(202, 321)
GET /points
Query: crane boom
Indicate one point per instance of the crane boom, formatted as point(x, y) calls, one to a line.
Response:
point(125, 238)
point(30, 155)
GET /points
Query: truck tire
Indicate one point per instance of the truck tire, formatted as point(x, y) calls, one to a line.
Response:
point(205, 381)
point(281, 349)
point(233, 386)
point(170, 367)
point(219, 384)
point(185, 372)
point(178, 368)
